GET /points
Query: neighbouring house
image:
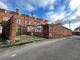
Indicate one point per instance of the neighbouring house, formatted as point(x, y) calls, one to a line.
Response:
point(76, 31)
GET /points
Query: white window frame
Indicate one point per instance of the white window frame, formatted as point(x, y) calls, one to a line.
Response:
point(6, 18)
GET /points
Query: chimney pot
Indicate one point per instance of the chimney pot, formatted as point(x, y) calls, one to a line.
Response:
point(17, 10)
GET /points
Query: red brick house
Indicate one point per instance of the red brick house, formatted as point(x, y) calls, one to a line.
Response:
point(22, 20)
point(18, 24)
point(76, 31)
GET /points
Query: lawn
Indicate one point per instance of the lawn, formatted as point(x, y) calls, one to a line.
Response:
point(27, 39)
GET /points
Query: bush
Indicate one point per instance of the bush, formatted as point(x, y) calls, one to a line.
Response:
point(4, 23)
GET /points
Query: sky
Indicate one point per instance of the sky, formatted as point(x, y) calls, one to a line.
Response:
point(55, 11)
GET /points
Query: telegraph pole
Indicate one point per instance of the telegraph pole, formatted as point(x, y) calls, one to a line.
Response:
point(32, 15)
point(69, 25)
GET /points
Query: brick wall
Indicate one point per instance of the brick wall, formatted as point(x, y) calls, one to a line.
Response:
point(76, 33)
point(53, 31)
point(13, 25)
point(32, 21)
point(67, 31)
point(9, 30)
point(1, 16)
point(58, 30)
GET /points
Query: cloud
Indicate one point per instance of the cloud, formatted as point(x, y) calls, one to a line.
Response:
point(78, 11)
point(42, 3)
point(53, 17)
point(3, 6)
point(73, 17)
point(74, 4)
point(61, 14)
point(29, 7)
point(51, 7)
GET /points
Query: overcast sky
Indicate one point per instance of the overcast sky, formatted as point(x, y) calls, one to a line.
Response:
point(52, 10)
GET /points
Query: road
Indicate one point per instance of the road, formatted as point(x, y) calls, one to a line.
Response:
point(58, 49)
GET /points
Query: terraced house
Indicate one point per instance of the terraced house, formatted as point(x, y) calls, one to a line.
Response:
point(24, 22)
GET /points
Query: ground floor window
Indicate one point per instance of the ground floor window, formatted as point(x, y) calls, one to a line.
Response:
point(0, 29)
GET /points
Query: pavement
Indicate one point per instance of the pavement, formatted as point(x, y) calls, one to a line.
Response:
point(59, 49)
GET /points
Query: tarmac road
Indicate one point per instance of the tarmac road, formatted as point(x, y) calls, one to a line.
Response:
point(59, 49)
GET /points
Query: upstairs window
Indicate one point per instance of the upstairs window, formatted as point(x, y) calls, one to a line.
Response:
point(6, 18)
point(19, 21)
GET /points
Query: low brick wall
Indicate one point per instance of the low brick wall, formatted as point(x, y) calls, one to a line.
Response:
point(67, 32)
point(76, 33)
point(53, 31)
point(58, 30)
point(40, 34)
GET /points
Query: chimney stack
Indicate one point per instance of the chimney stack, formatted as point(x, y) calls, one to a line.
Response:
point(17, 10)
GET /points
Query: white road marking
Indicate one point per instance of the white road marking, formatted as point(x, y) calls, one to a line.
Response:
point(13, 55)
